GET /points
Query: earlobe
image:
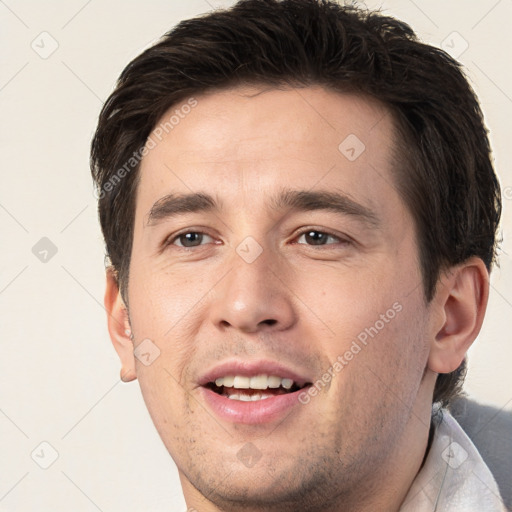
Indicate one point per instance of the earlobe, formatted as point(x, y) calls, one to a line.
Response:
point(119, 327)
point(461, 299)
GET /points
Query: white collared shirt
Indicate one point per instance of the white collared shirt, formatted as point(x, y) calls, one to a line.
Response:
point(454, 477)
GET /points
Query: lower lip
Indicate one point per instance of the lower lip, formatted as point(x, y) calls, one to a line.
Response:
point(251, 413)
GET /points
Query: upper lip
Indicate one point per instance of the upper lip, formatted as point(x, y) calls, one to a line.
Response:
point(251, 369)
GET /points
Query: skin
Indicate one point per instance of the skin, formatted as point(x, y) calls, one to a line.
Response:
point(359, 443)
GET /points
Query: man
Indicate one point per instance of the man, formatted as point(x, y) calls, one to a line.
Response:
point(300, 212)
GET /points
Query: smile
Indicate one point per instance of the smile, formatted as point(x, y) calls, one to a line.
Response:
point(251, 392)
point(258, 387)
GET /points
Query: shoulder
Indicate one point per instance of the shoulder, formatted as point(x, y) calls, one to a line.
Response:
point(490, 430)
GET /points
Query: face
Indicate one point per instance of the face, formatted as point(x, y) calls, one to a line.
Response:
point(275, 272)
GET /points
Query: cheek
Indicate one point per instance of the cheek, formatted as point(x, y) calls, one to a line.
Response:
point(351, 302)
point(165, 301)
point(165, 309)
point(391, 353)
point(166, 404)
point(376, 324)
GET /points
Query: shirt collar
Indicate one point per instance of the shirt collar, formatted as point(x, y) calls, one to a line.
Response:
point(454, 476)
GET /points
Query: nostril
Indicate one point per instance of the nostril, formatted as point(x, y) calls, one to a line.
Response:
point(246, 325)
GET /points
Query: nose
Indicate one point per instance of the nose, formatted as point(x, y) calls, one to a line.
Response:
point(254, 297)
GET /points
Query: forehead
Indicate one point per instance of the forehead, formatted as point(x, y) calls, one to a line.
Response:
point(253, 139)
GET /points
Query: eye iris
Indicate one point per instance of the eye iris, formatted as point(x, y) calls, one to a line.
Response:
point(316, 237)
point(191, 239)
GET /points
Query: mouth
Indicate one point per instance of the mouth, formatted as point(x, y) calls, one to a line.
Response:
point(255, 388)
point(252, 392)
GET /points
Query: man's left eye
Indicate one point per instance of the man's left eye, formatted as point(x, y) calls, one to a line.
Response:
point(314, 237)
point(192, 239)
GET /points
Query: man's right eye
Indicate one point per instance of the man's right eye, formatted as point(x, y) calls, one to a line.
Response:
point(191, 239)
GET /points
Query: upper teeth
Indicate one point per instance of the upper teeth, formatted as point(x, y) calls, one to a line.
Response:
point(256, 382)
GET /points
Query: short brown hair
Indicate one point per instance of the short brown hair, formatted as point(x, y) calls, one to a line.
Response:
point(444, 173)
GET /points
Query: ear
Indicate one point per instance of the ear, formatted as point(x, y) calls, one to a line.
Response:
point(119, 327)
point(460, 302)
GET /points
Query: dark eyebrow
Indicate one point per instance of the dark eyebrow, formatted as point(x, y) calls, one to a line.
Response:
point(322, 200)
point(176, 204)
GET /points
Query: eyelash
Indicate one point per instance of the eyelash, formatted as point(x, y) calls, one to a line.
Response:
point(172, 240)
point(339, 240)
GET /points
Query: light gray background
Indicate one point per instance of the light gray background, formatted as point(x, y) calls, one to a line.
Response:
point(58, 371)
